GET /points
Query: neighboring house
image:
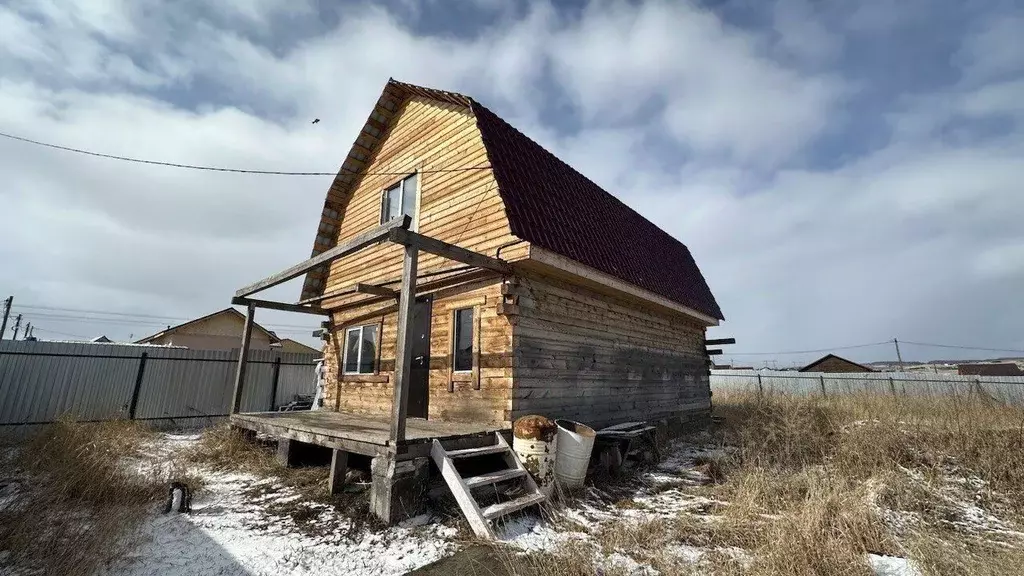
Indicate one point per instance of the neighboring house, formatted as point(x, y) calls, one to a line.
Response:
point(834, 364)
point(289, 345)
point(101, 340)
point(995, 369)
point(221, 330)
point(601, 316)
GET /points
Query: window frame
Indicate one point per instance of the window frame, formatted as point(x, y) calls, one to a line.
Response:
point(359, 354)
point(400, 186)
point(455, 338)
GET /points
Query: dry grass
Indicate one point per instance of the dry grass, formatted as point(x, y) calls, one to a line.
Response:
point(814, 484)
point(77, 502)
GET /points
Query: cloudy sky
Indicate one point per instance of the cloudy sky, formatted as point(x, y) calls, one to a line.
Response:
point(844, 172)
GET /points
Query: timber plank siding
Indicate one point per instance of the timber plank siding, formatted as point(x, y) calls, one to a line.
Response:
point(600, 360)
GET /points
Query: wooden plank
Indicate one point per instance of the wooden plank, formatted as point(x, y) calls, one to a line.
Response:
point(493, 478)
point(449, 251)
point(506, 508)
point(280, 306)
point(339, 467)
point(352, 245)
point(363, 288)
point(719, 341)
point(473, 452)
point(470, 509)
point(403, 346)
point(243, 359)
point(714, 352)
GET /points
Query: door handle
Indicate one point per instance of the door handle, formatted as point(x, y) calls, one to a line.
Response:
point(418, 358)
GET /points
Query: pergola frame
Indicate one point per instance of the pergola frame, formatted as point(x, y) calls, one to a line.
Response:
point(395, 231)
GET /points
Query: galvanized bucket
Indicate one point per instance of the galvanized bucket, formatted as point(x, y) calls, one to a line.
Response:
point(575, 443)
point(535, 441)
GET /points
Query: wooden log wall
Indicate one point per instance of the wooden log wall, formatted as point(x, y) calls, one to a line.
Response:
point(599, 360)
point(460, 207)
point(483, 395)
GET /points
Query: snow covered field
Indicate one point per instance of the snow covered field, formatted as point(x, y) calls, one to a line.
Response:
point(257, 525)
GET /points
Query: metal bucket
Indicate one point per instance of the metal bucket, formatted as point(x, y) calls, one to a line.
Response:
point(575, 443)
point(535, 441)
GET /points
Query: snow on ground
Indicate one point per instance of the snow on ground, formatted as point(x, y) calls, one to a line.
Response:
point(236, 528)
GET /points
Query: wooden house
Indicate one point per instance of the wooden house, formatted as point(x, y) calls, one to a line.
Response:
point(835, 364)
point(470, 277)
point(219, 330)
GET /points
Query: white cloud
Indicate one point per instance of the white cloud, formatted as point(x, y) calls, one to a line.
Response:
point(695, 122)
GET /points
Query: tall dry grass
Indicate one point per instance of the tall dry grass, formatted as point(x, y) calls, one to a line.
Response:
point(77, 503)
point(814, 484)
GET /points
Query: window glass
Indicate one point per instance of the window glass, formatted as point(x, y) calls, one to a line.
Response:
point(392, 203)
point(463, 339)
point(409, 196)
point(352, 350)
point(368, 350)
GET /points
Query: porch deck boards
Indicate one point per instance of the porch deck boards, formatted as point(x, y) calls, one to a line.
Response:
point(363, 434)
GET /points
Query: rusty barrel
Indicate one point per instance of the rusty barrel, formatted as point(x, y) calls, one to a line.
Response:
point(575, 443)
point(534, 439)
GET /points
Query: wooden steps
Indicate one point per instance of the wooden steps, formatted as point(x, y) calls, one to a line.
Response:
point(502, 508)
point(462, 488)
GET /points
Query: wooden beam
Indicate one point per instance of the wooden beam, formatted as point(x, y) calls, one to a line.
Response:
point(403, 347)
point(280, 306)
point(375, 290)
point(358, 288)
point(352, 245)
point(719, 341)
point(243, 358)
point(714, 352)
point(446, 250)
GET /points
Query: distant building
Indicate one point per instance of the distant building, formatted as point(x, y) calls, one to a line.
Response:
point(221, 330)
point(997, 369)
point(101, 340)
point(834, 364)
point(289, 345)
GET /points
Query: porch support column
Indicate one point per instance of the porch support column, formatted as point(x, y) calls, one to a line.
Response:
point(403, 348)
point(243, 358)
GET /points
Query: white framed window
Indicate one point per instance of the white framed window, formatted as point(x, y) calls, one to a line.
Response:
point(360, 349)
point(400, 199)
point(462, 341)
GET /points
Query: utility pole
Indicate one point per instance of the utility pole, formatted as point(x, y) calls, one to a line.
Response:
point(17, 326)
point(7, 312)
point(898, 356)
point(28, 331)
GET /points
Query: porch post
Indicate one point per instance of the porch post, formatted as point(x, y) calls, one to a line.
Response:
point(243, 358)
point(403, 348)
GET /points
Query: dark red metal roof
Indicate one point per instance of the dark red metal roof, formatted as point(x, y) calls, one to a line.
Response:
point(550, 204)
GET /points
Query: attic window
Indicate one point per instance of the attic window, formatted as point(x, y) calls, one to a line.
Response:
point(398, 200)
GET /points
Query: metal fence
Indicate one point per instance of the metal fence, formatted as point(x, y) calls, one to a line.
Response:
point(1006, 389)
point(42, 381)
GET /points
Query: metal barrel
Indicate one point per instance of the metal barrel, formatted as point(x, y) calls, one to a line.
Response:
point(575, 443)
point(535, 441)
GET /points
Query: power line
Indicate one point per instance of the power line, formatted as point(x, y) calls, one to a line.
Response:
point(233, 170)
point(57, 313)
point(62, 333)
point(810, 351)
point(962, 347)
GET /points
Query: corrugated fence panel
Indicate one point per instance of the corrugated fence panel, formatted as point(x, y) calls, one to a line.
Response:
point(1006, 389)
point(41, 381)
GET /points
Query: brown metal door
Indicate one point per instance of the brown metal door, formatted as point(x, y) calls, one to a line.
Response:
point(419, 388)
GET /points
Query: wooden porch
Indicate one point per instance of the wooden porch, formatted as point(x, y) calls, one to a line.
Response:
point(366, 435)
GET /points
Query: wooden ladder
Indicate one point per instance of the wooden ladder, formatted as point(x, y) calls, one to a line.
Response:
point(462, 488)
